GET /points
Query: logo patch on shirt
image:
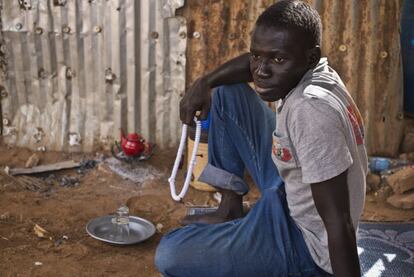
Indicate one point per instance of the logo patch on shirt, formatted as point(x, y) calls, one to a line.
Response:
point(356, 121)
point(280, 152)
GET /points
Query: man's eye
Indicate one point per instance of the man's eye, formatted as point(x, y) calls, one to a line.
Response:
point(278, 60)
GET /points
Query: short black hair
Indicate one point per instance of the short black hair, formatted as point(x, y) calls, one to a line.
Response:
point(294, 14)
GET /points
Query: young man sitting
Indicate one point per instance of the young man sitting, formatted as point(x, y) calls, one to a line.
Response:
point(309, 160)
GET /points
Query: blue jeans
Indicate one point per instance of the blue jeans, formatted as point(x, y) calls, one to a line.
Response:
point(266, 242)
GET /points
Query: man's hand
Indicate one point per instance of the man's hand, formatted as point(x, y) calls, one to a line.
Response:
point(197, 98)
point(332, 202)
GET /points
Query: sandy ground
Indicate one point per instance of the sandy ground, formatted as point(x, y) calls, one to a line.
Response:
point(65, 211)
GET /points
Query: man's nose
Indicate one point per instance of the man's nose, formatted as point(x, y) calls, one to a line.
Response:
point(263, 70)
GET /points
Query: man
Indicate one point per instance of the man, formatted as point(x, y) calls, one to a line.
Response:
point(310, 170)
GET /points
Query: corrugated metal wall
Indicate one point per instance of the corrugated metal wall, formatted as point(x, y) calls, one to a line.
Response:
point(75, 71)
point(360, 38)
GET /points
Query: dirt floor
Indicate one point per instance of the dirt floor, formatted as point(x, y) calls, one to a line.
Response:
point(63, 211)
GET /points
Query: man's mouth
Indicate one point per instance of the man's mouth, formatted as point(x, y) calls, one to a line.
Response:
point(263, 90)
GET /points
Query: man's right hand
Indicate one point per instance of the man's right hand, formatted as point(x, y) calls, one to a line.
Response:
point(197, 98)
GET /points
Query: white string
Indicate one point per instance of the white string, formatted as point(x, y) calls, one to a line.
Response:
point(191, 164)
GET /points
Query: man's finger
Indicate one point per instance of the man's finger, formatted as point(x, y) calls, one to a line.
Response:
point(204, 113)
point(189, 118)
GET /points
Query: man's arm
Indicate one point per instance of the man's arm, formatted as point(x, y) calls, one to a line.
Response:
point(197, 97)
point(332, 203)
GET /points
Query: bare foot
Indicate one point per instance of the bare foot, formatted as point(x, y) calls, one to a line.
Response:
point(230, 208)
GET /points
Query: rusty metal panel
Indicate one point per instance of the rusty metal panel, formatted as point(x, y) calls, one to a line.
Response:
point(360, 39)
point(75, 72)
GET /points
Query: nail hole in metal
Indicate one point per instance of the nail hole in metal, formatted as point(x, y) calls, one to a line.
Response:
point(3, 93)
point(70, 73)
point(109, 76)
point(41, 73)
point(97, 29)
point(39, 30)
point(19, 26)
point(196, 34)
point(155, 35)
point(66, 29)
point(25, 5)
point(59, 2)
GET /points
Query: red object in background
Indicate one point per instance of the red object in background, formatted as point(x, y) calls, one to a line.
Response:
point(133, 144)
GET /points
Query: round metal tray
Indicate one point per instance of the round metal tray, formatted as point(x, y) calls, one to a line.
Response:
point(102, 228)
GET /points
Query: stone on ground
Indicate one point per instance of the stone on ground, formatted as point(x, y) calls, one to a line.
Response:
point(402, 201)
point(373, 182)
point(402, 180)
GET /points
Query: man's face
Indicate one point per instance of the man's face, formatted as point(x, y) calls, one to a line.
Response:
point(279, 59)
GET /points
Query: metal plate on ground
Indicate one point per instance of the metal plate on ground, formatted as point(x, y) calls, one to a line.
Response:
point(102, 228)
point(197, 210)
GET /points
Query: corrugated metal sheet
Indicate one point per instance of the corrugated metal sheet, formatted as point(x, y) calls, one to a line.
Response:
point(360, 38)
point(77, 71)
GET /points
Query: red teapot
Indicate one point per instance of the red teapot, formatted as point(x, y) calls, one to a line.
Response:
point(133, 144)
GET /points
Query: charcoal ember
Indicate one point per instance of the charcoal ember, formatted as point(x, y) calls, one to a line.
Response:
point(68, 181)
point(87, 165)
point(51, 180)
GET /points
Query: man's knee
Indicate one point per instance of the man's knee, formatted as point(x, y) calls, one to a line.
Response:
point(231, 91)
point(232, 98)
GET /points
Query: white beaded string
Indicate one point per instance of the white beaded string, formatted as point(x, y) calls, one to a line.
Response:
point(191, 164)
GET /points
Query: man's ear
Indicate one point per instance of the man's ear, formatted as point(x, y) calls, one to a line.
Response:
point(314, 55)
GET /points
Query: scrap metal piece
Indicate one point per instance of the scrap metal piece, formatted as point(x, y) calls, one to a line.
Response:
point(44, 168)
